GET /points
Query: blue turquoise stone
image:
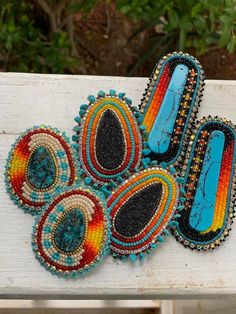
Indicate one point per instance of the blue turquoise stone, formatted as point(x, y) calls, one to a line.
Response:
point(69, 233)
point(162, 129)
point(41, 168)
point(202, 211)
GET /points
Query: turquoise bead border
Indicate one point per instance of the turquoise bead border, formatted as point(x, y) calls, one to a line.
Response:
point(105, 251)
point(16, 200)
point(172, 221)
point(114, 180)
point(156, 226)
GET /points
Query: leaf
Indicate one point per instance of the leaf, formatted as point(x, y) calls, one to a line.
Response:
point(173, 18)
point(225, 37)
point(186, 23)
point(225, 19)
point(196, 10)
point(231, 45)
point(200, 23)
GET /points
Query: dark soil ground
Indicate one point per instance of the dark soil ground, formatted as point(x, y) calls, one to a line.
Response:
point(106, 48)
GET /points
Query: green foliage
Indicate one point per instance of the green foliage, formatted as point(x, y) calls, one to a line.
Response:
point(29, 41)
point(194, 24)
point(23, 45)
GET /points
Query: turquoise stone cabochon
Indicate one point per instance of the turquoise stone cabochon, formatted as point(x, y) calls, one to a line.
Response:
point(70, 231)
point(41, 168)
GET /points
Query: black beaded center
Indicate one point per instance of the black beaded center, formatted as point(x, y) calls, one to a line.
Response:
point(138, 210)
point(110, 143)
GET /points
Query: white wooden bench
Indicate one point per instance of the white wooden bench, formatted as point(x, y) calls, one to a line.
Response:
point(170, 272)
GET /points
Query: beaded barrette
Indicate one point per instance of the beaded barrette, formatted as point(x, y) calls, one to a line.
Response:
point(72, 234)
point(209, 178)
point(142, 210)
point(170, 105)
point(40, 162)
point(108, 139)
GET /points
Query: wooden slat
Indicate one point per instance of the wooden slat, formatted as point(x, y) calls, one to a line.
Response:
point(81, 304)
point(170, 272)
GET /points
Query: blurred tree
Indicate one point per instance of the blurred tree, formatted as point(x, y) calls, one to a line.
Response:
point(38, 35)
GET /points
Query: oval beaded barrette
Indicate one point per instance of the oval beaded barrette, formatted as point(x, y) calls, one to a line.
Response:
point(72, 234)
point(40, 162)
point(142, 210)
point(108, 138)
point(209, 179)
point(170, 105)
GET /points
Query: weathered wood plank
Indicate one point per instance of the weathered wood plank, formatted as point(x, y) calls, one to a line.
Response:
point(170, 272)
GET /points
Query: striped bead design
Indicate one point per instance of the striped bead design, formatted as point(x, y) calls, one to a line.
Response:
point(40, 162)
point(209, 174)
point(71, 236)
point(108, 138)
point(142, 209)
point(170, 105)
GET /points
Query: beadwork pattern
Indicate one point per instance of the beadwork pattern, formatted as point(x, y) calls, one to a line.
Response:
point(108, 138)
point(72, 234)
point(209, 178)
point(170, 105)
point(142, 209)
point(40, 162)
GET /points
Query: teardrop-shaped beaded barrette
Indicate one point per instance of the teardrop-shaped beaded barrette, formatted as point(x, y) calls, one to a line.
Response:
point(39, 164)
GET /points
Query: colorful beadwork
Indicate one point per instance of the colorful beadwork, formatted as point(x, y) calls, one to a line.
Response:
point(72, 234)
point(142, 209)
point(108, 138)
point(40, 162)
point(209, 176)
point(170, 105)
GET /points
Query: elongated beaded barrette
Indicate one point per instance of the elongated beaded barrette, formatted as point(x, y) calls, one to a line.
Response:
point(170, 105)
point(142, 172)
point(209, 179)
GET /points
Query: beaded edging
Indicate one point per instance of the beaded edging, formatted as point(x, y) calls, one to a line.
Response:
point(210, 181)
point(108, 140)
point(39, 164)
point(170, 105)
point(136, 229)
point(78, 210)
